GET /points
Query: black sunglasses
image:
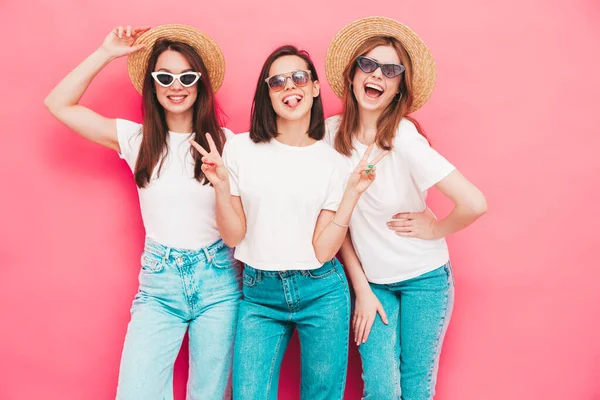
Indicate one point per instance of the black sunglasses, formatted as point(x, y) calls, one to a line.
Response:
point(166, 79)
point(368, 65)
point(299, 78)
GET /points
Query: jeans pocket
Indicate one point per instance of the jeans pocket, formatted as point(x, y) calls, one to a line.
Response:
point(250, 277)
point(323, 271)
point(151, 264)
point(249, 281)
point(223, 258)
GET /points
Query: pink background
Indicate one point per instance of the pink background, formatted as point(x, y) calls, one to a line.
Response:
point(515, 108)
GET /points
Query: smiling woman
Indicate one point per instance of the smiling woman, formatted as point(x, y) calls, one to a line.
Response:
point(183, 250)
point(395, 253)
point(283, 201)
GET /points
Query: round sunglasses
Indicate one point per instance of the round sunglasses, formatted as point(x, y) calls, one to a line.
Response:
point(166, 79)
point(368, 65)
point(299, 78)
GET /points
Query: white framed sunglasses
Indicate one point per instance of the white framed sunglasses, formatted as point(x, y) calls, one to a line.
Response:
point(166, 79)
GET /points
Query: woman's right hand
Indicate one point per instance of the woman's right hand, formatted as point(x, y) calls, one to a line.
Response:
point(366, 308)
point(119, 41)
point(212, 164)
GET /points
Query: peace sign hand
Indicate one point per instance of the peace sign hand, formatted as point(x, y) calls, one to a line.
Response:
point(212, 164)
point(364, 174)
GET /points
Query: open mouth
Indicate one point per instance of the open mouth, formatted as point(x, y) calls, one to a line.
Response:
point(373, 91)
point(292, 100)
point(176, 98)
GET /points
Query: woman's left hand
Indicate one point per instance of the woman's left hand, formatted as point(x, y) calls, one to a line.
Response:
point(418, 225)
point(364, 173)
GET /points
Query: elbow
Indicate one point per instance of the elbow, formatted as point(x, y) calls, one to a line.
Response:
point(48, 103)
point(51, 106)
point(324, 256)
point(479, 206)
point(231, 242)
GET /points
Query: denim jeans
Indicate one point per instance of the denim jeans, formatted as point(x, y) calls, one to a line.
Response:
point(199, 290)
point(400, 360)
point(317, 304)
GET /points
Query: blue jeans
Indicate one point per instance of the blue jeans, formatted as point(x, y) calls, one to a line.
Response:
point(317, 304)
point(199, 290)
point(400, 360)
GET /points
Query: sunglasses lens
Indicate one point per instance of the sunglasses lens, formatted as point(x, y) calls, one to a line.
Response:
point(366, 65)
point(164, 79)
point(277, 82)
point(300, 78)
point(392, 70)
point(188, 79)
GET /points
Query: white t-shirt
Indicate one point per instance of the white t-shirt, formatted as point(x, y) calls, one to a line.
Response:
point(403, 178)
point(283, 189)
point(177, 210)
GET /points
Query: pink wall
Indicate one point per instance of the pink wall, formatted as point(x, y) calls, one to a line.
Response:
point(516, 109)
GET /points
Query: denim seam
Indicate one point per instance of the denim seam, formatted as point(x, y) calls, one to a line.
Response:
point(297, 300)
point(184, 286)
point(441, 331)
point(273, 361)
point(397, 386)
point(343, 377)
point(325, 275)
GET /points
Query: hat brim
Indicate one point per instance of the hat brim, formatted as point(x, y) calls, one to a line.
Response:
point(346, 42)
point(206, 47)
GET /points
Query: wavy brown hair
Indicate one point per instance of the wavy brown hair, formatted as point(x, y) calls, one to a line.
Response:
point(263, 125)
point(154, 149)
point(390, 118)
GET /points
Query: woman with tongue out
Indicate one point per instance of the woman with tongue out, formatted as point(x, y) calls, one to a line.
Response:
point(395, 253)
point(189, 280)
point(284, 199)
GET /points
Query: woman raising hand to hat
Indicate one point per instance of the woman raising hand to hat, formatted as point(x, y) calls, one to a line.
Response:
point(395, 253)
point(189, 280)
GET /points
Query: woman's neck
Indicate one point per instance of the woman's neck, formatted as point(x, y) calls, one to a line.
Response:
point(367, 126)
point(294, 132)
point(180, 122)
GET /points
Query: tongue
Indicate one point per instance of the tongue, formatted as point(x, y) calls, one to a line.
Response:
point(372, 92)
point(292, 102)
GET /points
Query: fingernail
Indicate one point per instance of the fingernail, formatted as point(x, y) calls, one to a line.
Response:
point(367, 171)
point(370, 166)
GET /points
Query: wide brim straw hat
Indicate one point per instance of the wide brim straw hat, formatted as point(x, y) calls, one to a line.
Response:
point(346, 42)
point(209, 51)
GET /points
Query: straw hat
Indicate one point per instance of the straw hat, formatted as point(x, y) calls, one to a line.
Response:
point(346, 42)
point(205, 46)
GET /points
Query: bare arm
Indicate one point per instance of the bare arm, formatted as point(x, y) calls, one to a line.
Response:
point(63, 100)
point(469, 204)
point(331, 228)
point(329, 235)
point(367, 305)
point(231, 219)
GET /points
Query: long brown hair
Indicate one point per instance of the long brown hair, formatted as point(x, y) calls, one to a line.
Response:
point(154, 149)
point(263, 126)
point(390, 118)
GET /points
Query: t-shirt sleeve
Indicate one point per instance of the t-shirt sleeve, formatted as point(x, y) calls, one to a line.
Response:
point(426, 165)
point(231, 162)
point(228, 133)
point(337, 185)
point(331, 127)
point(129, 135)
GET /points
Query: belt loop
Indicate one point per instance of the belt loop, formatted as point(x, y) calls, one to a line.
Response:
point(207, 254)
point(167, 253)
